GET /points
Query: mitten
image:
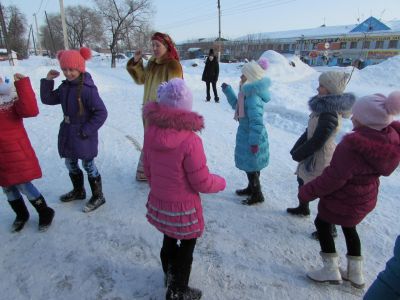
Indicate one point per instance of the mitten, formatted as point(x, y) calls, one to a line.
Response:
point(254, 149)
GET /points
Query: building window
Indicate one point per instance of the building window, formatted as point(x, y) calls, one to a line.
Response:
point(393, 44)
point(366, 44)
point(285, 47)
point(379, 45)
point(353, 45)
point(343, 45)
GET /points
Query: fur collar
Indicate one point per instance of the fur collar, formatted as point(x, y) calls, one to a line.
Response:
point(259, 87)
point(166, 117)
point(332, 103)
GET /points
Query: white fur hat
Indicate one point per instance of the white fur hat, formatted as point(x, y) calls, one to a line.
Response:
point(255, 70)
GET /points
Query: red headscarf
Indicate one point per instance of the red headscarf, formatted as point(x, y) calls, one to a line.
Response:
point(166, 40)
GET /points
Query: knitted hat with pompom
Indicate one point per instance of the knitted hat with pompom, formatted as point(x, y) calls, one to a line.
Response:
point(255, 70)
point(377, 111)
point(74, 59)
point(175, 94)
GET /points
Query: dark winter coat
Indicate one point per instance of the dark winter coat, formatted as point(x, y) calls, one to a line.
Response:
point(78, 137)
point(211, 70)
point(348, 188)
point(18, 161)
point(387, 285)
point(314, 149)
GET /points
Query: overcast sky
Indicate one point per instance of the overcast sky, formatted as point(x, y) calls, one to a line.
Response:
point(187, 19)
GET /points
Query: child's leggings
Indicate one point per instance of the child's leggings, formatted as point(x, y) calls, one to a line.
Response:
point(13, 192)
point(88, 165)
point(328, 244)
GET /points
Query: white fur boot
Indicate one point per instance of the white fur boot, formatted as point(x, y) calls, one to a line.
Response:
point(330, 271)
point(354, 272)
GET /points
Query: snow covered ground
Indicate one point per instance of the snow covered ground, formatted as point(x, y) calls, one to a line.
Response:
point(246, 252)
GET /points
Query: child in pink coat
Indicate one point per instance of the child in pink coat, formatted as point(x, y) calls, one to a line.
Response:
point(176, 167)
point(348, 187)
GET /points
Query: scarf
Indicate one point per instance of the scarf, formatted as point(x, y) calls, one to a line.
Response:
point(239, 112)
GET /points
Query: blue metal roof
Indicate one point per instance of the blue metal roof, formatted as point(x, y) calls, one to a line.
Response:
point(370, 24)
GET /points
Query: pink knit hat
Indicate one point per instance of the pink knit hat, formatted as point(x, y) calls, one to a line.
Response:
point(175, 94)
point(74, 59)
point(377, 111)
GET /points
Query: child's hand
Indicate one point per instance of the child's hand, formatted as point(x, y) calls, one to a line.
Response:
point(18, 76)
point(254, 149)
point(52, 74)
point(224, 86)
point(1, 79)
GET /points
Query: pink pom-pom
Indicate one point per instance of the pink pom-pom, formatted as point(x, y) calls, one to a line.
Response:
point(86, 53)
point(59, 54)
point(264, 63)
point(392, 103)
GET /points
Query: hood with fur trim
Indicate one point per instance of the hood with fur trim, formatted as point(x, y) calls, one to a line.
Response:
point(332, 103)
point(380, 149)
point(259, 87)
point(173, 125)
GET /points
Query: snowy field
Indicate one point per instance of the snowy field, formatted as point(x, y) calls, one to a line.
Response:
point(255, 252)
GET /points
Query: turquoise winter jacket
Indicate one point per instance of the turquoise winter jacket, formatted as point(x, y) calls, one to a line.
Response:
point(251, 130)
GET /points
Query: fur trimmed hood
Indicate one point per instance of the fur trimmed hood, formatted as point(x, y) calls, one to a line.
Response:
point(166, 117)
point(259, 87)
point(381, 149)
point(332, 103)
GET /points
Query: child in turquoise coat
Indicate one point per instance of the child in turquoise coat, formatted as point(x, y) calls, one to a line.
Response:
point(252, 148)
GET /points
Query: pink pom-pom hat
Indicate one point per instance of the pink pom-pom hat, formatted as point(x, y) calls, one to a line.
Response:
point(74, 59)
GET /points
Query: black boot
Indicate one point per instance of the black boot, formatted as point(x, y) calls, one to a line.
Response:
point(256, 194)
point(46, 214)
point(187, 293)
point(216, 99)
point(302, 210)
point(246, 191)
point(22, 213)
point(97, 198)
point(78, 193)
point(314, 235)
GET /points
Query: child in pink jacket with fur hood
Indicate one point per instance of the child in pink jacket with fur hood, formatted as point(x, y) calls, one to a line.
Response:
point(176, 167)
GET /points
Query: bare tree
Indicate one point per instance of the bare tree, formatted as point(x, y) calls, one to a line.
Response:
point(121, 17)
point(16, 28)
point(52, 34)
point(84, 27)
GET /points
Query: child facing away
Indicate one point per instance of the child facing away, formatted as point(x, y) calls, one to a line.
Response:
point(84, 113)
point(348, 187)
point(252, 147)
point(176, 167)
point(314, 149)
point(18, 162)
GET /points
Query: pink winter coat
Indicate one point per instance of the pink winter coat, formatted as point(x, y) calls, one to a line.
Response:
point(176, 168)
point(18, 161)
point(348, 188)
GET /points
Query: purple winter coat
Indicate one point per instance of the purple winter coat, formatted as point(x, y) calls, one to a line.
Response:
point(348, 187)
point(77, 137)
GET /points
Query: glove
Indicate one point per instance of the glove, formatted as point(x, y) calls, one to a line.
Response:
point(224, 86)
point(254, 149)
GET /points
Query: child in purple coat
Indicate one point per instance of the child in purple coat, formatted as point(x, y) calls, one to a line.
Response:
point(348, 187)
point(84, 113)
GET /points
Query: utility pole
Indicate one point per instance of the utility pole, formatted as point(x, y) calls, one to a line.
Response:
point(37, 37)
point(64, 25)
point(219, 31)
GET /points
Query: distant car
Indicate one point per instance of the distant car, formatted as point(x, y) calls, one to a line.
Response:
point(120, 56)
